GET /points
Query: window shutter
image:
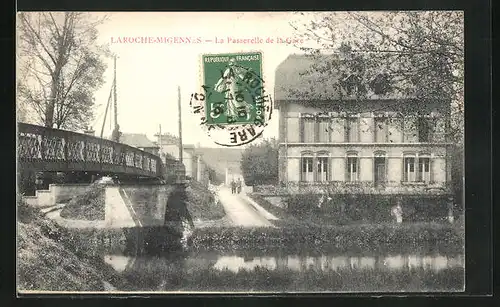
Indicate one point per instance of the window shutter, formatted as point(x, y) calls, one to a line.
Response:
point(403, 179)
point(358, 128)
point(314, 169)
point(358, 168)
point(330, 168)
point(301, 128)
point(346, 172)
point(346, 129)
point(431, 170)
point(316, 130)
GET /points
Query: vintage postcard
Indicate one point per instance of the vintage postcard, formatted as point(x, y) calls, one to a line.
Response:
point(240, 152)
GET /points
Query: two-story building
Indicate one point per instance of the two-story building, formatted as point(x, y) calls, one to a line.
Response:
point(379, 144)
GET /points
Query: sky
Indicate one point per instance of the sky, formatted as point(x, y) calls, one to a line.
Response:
point(148, 74)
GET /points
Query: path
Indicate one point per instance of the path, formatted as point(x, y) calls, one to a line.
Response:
point(240, 212)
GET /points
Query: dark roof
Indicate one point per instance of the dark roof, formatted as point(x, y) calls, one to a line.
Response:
point(137, 140)
point(292, 78)
point(297, 79)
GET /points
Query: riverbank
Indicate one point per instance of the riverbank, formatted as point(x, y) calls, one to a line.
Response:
point(264, 280)
point(50, 258)
point(363, 238)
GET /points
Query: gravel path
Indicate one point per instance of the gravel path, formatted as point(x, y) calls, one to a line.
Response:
point(240, 212)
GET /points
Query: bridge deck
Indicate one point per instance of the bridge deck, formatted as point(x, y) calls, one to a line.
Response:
point(46, 149)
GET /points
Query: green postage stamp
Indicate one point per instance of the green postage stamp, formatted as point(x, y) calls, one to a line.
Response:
point(234, 89)
point(232, 103)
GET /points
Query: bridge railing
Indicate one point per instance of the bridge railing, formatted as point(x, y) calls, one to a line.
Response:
point(70, 150)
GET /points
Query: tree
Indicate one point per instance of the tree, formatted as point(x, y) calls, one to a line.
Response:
point(259, 163)
point(417, 55)
point(60, 67)
point(410, 54)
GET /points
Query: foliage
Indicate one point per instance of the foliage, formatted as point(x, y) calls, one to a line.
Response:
point(51, 258)
point(60, 68)
point(404, 54)
point(89, 205)
point(25, 213)
point(275, 210)
point(333, 208)
point(376, 238)
point(201, 203)
point(213, 177)
point(259, 163)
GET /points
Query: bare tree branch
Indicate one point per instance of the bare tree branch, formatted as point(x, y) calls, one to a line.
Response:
point(61, 66)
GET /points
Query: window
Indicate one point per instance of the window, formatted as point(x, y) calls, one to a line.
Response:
point(322, 171)
point(424, 125)
point(409, 169)
point(380, 129)
point(381, 84)
point(379, 165)
point(349, 84)
point(323, 130)
point(352, 168)
point(410, 129)
point(351, 131)
point(424, 174)
point(307, 169)
point(308, 130)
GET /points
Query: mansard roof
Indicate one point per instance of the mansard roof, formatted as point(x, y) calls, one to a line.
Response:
point(298, 80)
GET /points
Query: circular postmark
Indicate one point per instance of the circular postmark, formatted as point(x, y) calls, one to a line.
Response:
point(232, 103)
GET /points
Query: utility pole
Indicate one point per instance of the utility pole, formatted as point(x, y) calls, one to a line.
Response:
point(180, 124)
point(108, 106)
point(159, 142)
point(115, 98)
point(115, 135)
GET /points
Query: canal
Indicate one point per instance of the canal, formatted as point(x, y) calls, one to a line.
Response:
point(152, 259)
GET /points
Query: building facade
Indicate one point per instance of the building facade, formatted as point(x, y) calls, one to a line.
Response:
point(372, 145)
point(192, 160)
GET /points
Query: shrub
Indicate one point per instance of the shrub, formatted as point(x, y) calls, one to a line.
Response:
point(348, 208)
point(259, 163)
point(25, 213)
point(89, 205)
point(201, 202)
point(345, 239)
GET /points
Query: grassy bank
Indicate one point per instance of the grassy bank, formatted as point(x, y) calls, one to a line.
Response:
point(374, 238)
point(53, 259)
point(343, 280)
point(285, 218)
point(201, 203)
point(89, 205)
point(319, 217)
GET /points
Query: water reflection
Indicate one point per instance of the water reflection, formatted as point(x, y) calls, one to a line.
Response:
point(236, 263)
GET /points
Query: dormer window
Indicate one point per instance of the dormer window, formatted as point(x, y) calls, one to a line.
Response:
point(350, 84)
point(381, 84)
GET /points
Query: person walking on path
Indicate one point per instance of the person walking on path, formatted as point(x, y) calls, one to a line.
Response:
point(233, 187)
point(238, 186)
